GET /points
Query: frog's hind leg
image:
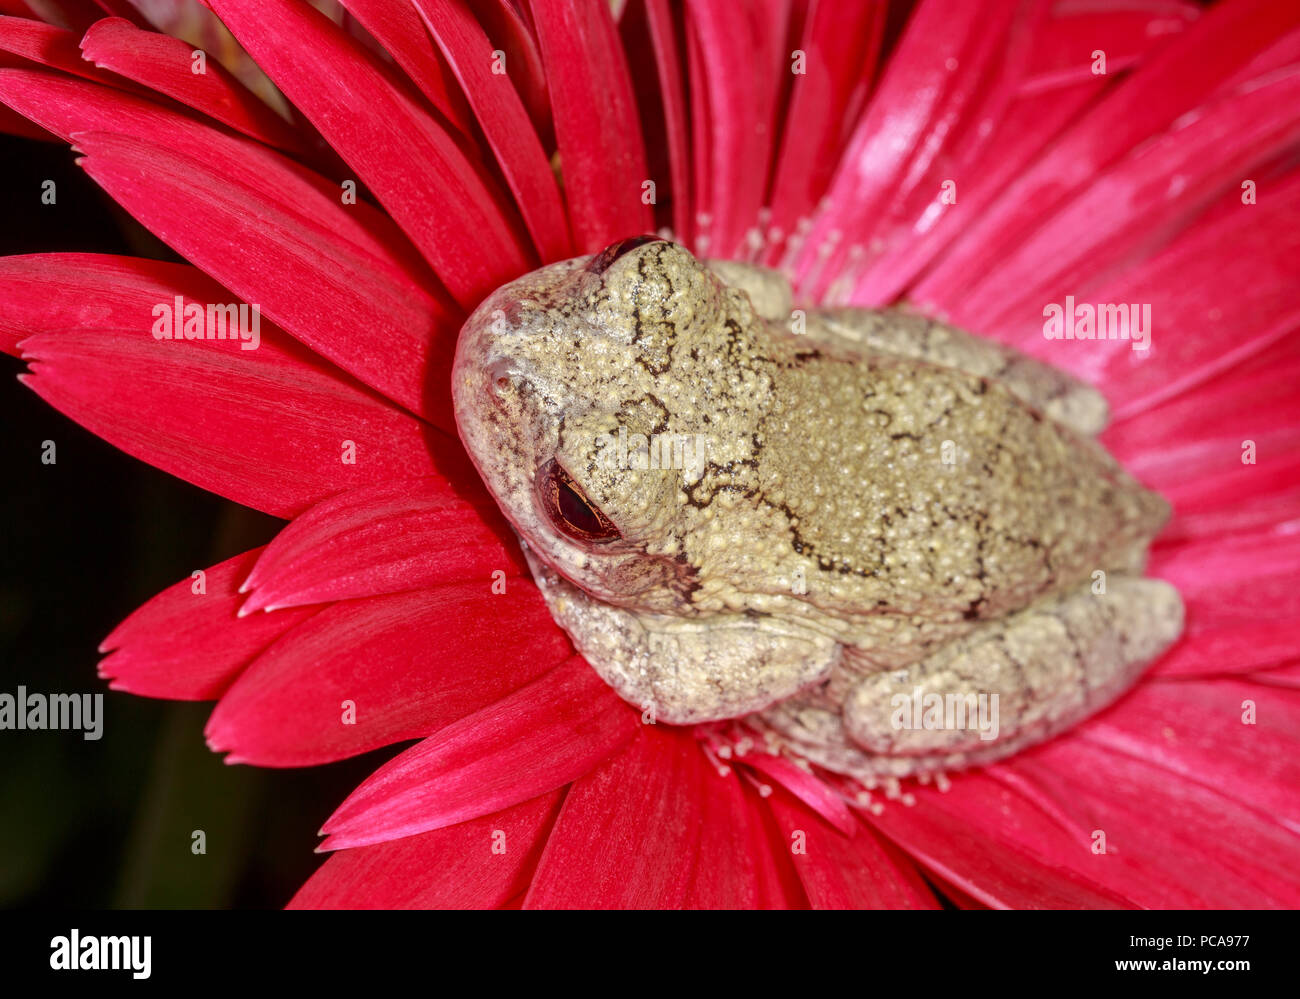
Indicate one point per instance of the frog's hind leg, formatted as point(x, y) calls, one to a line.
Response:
point(1051, 391)
point(1062, 397)
point(1007, 685)
point(1018, 680)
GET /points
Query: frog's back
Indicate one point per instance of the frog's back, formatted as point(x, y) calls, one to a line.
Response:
point(917, 489)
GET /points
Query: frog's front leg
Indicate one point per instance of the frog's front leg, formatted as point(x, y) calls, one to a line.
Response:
point(769, 291)
point(687, 670)
point(1013, 682)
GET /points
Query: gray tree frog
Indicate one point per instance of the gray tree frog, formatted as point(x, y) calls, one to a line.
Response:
point(816, 520)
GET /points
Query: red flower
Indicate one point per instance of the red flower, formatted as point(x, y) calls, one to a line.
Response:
point(1118, 151)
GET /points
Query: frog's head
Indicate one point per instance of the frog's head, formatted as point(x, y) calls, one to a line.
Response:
point(568, 382)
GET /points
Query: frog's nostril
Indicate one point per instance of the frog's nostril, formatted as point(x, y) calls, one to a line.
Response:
point(607, 256)
point(500, 381)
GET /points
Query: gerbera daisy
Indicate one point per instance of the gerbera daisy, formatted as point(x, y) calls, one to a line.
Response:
point(367, 180)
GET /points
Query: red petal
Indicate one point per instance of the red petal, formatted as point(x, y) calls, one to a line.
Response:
point(841, 40)
point(1125, 31)
point(805, 786)
point(273, 232)
point(1176, 78)
point(199, 409)
point(1181, 829)
point(395, 536)
point(479, 864)
point(1137, 204)
point(1216, 502)
point(1219, 293)
point(1172, 841)
point(397, 28)
point(164, 64)
point(410, 162)
point(1225, 583)
point(409, 663)
point(190, 646)
point(54, 47)
point(601, 152)
point(996, 844)
point(629, 832)
point(201, 413)
point(294, 270)
point(505, 124)
point(930, 78)
point(1194, 450)
point(735, 76)
point(1287, 676)
point(1200, 733)
point(658, 75)
point(735, 867)
point(1203, 432)
point(506, 23)
point(701, 175)
point(843, 872)
point(94, 294)
point(1282, 51)
point(1023, 130)
point(1038, 89)
point(988, 145)
point(539, 738)
point(89, 291)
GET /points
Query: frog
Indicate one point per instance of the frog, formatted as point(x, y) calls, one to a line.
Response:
point(809, 521)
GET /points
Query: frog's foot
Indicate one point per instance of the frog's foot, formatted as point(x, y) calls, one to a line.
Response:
point(1007, 685)
point(685, 670)
point(1065, 399)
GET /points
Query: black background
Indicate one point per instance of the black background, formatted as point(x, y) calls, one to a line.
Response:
point(85, 541)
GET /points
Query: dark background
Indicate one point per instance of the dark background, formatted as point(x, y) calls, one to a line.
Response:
point(86, 541)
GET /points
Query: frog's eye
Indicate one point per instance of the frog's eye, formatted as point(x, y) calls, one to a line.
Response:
point(569, 509)
point(609, 254)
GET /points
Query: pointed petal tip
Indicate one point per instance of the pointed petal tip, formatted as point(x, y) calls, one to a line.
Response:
point(334, 843)
point(21, 347)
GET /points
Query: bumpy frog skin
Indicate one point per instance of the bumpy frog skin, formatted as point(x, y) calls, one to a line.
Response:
point(862, 509)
